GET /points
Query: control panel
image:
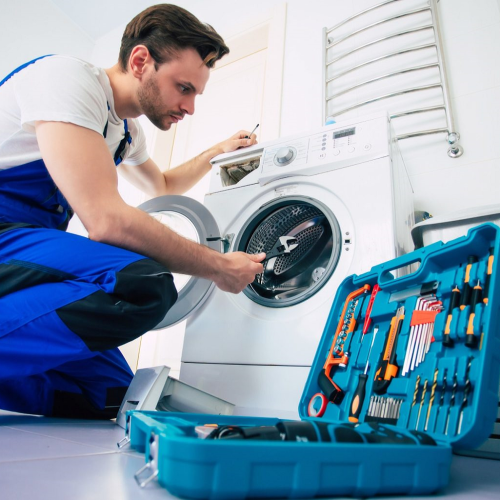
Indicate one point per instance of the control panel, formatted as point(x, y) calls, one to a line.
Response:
point(336, 146)
point(332, 147)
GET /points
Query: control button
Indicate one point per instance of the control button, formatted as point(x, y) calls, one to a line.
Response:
point(336, 152)
point(322, 155)
point(367, 147)
point(285, 155)
point(351, 149)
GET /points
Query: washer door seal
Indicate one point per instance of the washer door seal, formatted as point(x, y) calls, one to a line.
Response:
point(297, 274)
point(196, 291)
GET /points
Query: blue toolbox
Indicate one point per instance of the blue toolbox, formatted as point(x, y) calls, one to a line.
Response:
point(406, 371)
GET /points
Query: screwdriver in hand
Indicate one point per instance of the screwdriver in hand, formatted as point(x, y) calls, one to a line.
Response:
point(360, 392)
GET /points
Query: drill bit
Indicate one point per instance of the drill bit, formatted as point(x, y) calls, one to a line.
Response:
point(414, 402)
point(467, 389)
point(452, 402)
point(431, 400)
point(422, 399)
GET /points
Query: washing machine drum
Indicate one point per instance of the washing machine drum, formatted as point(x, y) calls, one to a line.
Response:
point(302, 242)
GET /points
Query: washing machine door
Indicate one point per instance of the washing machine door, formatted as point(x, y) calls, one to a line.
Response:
point(192, 220)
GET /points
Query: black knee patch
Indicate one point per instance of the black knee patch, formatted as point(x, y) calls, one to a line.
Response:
point(75, 405)
point(143, 294)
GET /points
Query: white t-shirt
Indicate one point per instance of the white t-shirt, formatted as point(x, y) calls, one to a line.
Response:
point(63, 89)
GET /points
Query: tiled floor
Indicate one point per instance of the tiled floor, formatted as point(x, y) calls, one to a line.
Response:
point(43, 458)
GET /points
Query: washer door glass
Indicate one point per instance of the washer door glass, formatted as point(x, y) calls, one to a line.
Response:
point(302, 240)
point(193, 221)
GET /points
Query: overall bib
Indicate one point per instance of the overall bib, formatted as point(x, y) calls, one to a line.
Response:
point(67, 302)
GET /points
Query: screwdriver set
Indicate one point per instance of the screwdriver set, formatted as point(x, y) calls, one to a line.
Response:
point(407, 370)
point(422, 345)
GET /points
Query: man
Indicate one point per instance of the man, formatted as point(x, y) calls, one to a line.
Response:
point(67, 302)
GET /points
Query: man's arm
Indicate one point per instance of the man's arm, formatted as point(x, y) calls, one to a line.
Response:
point(79, 162)
point(149, 179)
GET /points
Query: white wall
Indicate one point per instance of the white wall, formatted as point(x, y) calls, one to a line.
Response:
point(471, 36)
point(32, 28)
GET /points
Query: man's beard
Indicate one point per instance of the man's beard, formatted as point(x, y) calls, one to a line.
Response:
point(149, 99)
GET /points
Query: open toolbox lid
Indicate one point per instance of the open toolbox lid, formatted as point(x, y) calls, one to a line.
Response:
point(432, 345)
point(402, 441)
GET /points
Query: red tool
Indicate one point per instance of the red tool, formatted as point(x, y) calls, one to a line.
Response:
point(368, 318)
point(337, 356)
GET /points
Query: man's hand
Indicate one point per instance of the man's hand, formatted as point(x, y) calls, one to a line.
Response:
point(238, 141)
point(238, 271)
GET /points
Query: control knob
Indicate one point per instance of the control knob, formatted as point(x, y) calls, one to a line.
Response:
point(285, 155)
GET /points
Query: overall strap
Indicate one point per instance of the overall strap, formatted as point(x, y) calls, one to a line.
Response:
point(121, 147)
point(10, 75)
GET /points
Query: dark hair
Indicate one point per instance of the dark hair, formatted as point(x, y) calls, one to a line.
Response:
point(165, 30)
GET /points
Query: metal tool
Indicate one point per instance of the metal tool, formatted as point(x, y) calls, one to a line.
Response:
point(431, 400)
point(441, 398)
point(420, 338)
point(336, 356)
point(360, 392)
point(368, 319)
point(422, 400)
point(424, 289)
point(465, 400)
point(387, 367)
point(283, 246)
point(415, 394)
point(384, 410)
point(452, 402)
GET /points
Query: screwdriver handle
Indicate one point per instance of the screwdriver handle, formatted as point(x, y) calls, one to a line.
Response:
point(470, 338)
point(454, 303)
point(358, 399)
point(489, 270)
point(465, 299)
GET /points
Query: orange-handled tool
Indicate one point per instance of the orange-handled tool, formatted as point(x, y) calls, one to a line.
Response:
point(464, 302)
point(470, 338)
point(489, 270)
point(454, 303)
point(387, 368)
point(360, 392)
point(337, 356)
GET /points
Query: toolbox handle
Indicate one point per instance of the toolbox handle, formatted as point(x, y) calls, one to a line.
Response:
point(387, 280)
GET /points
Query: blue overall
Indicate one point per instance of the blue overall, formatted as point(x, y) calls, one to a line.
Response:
point(67, 302)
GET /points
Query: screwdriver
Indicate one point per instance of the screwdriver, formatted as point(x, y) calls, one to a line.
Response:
point(359, 394)
point(467, 288)
point(454, 303)
point(470, 339)
point(488, 276)
point(368, 318)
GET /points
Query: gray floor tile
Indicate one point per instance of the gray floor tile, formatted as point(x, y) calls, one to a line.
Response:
point(19, 445)
point(102, 434)
point(109, 476)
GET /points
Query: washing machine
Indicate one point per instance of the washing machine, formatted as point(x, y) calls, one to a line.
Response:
point(322, 205)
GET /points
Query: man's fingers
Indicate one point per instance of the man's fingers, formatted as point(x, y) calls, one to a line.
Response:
point(243, 143)
point(257, 257)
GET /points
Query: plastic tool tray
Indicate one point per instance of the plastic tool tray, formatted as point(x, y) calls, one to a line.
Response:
point(381, 410)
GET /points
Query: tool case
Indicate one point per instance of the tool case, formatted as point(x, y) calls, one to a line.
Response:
point(406, 371)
